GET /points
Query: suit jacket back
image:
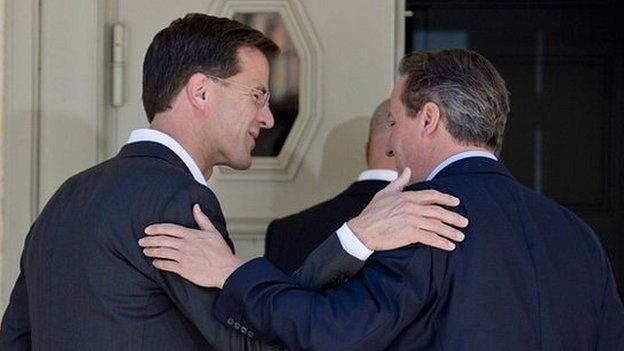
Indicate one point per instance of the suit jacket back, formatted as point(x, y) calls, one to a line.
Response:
point(290, 240)
point(529, 276)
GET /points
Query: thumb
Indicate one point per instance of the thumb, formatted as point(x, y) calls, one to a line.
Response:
point(202, 220)
point(397, 185)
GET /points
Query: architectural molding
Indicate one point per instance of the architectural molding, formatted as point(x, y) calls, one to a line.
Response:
point(248, 227)
point(398, 36)
point(20, 133)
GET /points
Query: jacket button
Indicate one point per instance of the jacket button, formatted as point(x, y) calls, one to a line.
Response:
point(230, 321)
point(250, 334)
point(237, 326)
point(243, 330)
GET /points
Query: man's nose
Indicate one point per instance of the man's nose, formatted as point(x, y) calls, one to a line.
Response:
point(265, 116)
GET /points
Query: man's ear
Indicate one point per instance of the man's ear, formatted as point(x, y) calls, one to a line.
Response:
point(196, 90)
point(430, 118)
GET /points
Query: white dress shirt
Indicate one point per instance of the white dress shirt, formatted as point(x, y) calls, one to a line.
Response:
point(457, 157)
point(350, 243)
point(378, 174)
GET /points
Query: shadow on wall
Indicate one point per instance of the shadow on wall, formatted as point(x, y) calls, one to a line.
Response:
point(343, 155)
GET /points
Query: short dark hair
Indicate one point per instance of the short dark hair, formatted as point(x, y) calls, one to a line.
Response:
point(192, 44)
point(472, 96)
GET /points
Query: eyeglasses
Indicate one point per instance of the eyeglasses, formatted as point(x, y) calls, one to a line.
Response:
point(260, 96)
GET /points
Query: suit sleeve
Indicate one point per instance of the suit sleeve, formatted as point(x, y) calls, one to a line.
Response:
point(366, 313)
point(15, 328)
point(328, 265)
point(195, 302)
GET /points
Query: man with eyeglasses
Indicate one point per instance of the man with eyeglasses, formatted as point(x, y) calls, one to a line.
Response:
point(85, 283)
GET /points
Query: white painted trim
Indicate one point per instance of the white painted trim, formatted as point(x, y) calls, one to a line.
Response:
point(248, 227)
point(399, 35)
point(21, 149)
point(107, 147)
point(285, 165)
point(248, 232)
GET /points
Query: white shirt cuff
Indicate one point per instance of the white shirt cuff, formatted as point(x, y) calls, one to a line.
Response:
point(351, 244)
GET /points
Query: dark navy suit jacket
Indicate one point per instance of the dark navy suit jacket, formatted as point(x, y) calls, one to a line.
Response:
point(530, 275)
point(291, 239)
point(86, 285)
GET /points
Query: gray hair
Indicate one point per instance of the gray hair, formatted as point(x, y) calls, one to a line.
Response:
point(472, 96)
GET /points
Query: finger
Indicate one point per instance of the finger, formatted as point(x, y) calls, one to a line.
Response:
point(170, 229)
point(438, 228)
point(430, 239)
point(202, 220)
point(431, 197)
point(444, 215)
point(398, 184)
point(162, 253)
point(160, 241)
point(167, 265)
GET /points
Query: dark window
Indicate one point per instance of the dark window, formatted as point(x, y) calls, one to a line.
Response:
point(284, 81)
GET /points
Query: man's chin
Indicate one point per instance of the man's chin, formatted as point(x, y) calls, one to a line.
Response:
point(241, 165)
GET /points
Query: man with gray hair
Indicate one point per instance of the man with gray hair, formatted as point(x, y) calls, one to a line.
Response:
point(530, 275)
point(291, 239)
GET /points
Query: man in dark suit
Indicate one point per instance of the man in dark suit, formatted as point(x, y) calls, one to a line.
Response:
point(529, 276)
point(84, 282)
point(291, 239)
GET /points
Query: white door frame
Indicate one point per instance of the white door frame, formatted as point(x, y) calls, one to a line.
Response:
point(21, 106)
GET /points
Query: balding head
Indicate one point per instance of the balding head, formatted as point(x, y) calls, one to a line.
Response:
point(378, 138)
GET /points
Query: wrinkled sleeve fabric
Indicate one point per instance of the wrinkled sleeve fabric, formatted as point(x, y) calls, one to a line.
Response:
point(367, 312)
point(327, 266)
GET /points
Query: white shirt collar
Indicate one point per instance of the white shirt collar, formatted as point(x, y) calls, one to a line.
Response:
point(378, 174)
point(164, 139)
point(458, 157)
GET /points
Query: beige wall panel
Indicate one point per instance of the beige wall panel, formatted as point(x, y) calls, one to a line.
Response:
point(69, 95)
